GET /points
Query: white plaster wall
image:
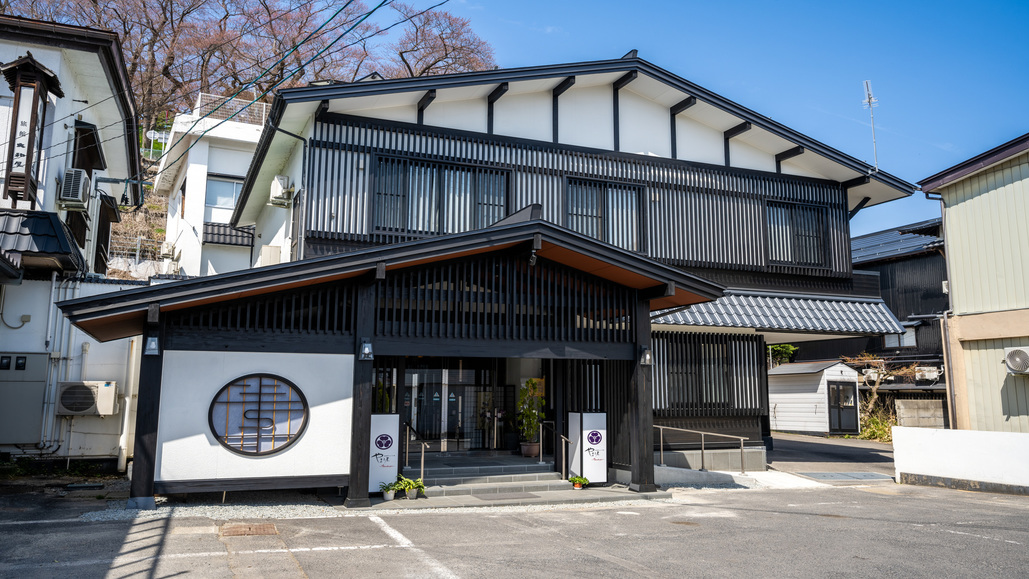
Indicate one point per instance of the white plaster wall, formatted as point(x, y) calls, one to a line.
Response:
point(224, 258)
point(586, 117)
point(798, 402)
point(527, 115)
point(996, 457)
point(745, 156)
point(468, 115)
point(643, 125)
point(187, 240)
point(404, 114)
point(186, 448)
point(698, 142)
point(229, 160)
point(791, 169)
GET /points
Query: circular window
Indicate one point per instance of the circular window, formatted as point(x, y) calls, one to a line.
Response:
point(258, 414)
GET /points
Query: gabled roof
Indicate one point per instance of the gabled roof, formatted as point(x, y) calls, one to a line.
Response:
point(293, 108)
point(40, 239)
point(803, 368)
point(123, 314)
point(785, 313)
point(896, 242)
point(999, 154)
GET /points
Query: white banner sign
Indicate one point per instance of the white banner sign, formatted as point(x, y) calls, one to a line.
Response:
point(588, 432)
point(384, 450)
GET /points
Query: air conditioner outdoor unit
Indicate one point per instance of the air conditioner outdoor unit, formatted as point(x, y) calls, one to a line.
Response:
point(872, 374)
point(87, 398)
point(74, 195)
point(928, 373)
point(167, 250)
point(282, 193)
point(1017, 360)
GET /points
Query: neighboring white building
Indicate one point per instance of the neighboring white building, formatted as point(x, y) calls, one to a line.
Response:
point(814, 397)
point(202, 174)
point(69, 158)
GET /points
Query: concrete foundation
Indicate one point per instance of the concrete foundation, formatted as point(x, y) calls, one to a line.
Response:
point(754, 457)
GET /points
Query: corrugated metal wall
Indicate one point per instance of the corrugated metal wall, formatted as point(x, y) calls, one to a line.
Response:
point(996, 400)
point(693, 216)
point(987, 233)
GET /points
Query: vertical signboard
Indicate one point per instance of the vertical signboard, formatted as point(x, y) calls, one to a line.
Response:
point(385, 450)
point(594, 446)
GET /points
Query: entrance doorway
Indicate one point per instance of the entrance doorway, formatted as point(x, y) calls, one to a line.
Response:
point(843, 412)
point(450, 404)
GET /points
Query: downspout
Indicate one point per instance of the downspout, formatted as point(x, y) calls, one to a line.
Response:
point(298, 203)
point(952, 409)
point(47, 443)
point(129, 386)
point(50, 311)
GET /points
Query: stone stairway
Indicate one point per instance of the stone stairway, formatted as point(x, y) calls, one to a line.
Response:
point(489, 479)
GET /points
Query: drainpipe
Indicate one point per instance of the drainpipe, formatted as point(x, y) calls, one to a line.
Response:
point(128, 387)
point(85, 358)
point(47, 444)
point(50, 311)
point(298, 202)
point(945, 324)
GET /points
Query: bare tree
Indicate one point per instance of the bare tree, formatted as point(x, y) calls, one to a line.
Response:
point(435, 42)
point(880, 370)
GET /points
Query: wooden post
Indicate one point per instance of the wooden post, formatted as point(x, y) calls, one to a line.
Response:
point(641, 410)
point(148, 406)
point(360, 434)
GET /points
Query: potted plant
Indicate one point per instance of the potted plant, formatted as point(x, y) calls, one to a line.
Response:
point(409, 486)
point(530, 413)
point(578, 482)
point(388, 490)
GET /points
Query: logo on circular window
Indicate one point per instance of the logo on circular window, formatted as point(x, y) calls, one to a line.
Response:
point(594, 437)
point(258, 414)
point(383, 441)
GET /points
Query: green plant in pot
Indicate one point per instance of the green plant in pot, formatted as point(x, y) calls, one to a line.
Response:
point(578, 482)
point(410, 486)
point(389, 490)
point(530, 413)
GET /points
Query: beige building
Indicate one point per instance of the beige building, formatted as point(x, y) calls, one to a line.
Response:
point(986, 230)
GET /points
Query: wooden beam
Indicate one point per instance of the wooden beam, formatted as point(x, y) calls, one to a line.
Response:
point(733, 133)
point(659, 291)
point(861, 204)
point(672, 113)
point(148, 409)
point(625, 79)
point(493, 97)
point(557, 92)
point(641, 408)
point(361, 424)
point(856, 182)
point(787, 154)
point(423, 103)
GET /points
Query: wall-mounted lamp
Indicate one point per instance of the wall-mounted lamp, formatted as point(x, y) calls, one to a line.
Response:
point(646, 359)
point(153, 347)
point(366, 352)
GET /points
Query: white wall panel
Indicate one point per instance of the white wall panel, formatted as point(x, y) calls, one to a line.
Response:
point(698, 142)
point(467, 115)
point(227, 161)
point(404, 114)
point(586, 117)
point(996, 457)
point(644, 126)
point(745, 156)
point(186, 448)
point(224, 258)
point(529, 116)
point(798, 402)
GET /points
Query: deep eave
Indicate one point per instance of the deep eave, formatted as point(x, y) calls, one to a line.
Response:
point(123, 314)
point(321, 93)
point(995, 155)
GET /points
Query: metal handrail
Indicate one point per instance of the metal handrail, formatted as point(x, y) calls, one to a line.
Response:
point(407, 451)
point(702, 435)
point(564, 447)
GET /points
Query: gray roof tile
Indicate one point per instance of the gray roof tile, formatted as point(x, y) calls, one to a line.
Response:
point(892, 243)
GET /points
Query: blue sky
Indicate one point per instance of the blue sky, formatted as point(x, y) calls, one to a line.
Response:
point(950, 77)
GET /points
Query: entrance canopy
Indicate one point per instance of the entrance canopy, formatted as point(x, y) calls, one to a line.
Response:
point(124, 314)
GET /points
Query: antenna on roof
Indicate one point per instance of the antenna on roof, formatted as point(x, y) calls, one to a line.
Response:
point(870, 103)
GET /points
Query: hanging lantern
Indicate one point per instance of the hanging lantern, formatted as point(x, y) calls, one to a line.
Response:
point(31, 83)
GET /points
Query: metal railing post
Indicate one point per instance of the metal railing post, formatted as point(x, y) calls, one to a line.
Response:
point(541, 443)
point(422, 473)
point(702, 467)
point(661, 432)
point(564, 460)
point(494, 429)
point(407, 448)
point(742, 467)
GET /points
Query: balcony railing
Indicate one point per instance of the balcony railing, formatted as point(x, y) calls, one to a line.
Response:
point(221, 108)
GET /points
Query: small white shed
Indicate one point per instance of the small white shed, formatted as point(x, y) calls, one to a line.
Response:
point(815, 397)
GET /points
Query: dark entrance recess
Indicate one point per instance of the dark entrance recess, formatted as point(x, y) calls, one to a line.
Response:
point(843, 407)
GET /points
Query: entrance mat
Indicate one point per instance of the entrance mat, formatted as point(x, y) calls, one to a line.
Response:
point(846, 475)
point(504, 496)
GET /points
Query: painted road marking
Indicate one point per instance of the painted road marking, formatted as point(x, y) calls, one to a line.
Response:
point(438, 568)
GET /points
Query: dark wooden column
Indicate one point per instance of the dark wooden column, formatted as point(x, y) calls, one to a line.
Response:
point(360, 433)
point(148, 407)
point(641, 409)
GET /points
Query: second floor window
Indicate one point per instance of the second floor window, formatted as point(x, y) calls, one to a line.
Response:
point(609, 212)
point(223, 192)
point(428, 198)
point(796, 234)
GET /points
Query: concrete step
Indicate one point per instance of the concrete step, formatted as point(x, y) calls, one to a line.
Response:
point(478, 470)
point(479, 489)
point(526, 477)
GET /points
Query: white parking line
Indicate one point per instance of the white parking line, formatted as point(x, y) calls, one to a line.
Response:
point(438, 568)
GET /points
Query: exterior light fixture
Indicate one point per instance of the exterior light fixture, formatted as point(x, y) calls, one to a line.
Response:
point(366, 352)
point(152, 347)
point(646, 359)
point(31, 83)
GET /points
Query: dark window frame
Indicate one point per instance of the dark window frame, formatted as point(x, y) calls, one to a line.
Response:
point(476, 199)
point(641, 208)
point(794, 207)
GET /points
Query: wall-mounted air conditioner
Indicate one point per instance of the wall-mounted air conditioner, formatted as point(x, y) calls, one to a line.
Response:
point(87, 398)
point(282, 192)
point(74, 195)
point(1017, 360)
point(927, 373)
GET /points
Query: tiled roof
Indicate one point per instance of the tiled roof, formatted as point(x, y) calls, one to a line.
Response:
point(225, 234)
point(10, 265)
point(896, 242)
point(783, 313)
point(38, 233)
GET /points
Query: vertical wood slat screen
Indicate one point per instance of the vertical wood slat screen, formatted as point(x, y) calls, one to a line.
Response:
point(694, 216)
point(325, 309)
point(603, 386)
point(502, 297)
point(709, 375)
